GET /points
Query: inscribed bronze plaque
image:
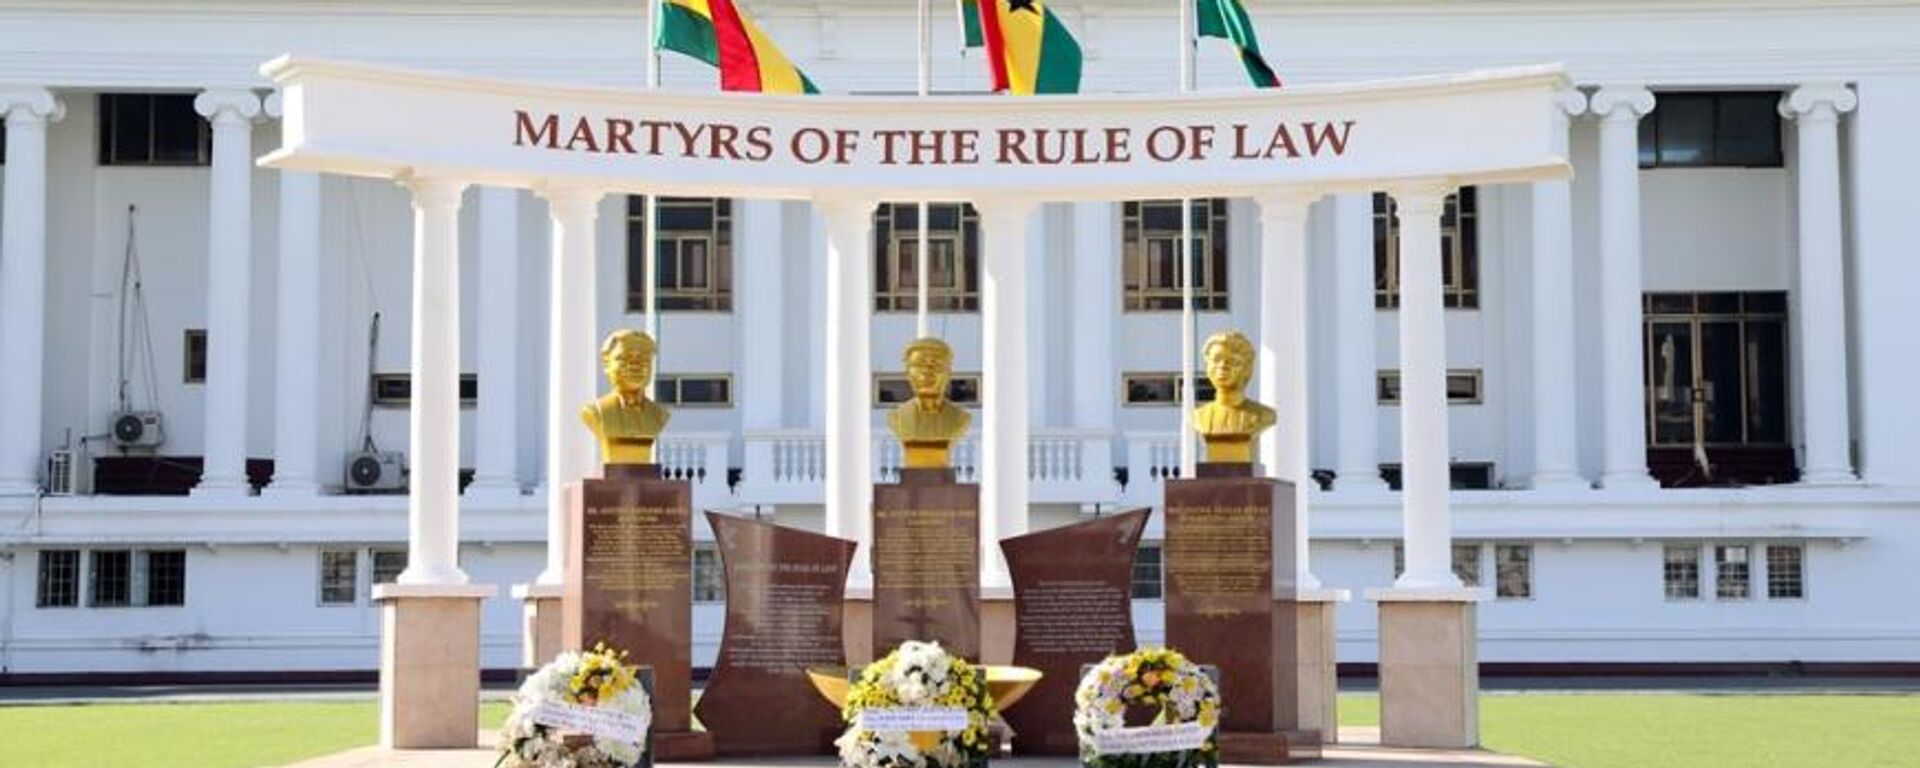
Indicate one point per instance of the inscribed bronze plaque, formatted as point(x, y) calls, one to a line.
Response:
point(1073, 606)
point(785, 592)
point(926, 562)
point(1229, 568)
point(629, 581)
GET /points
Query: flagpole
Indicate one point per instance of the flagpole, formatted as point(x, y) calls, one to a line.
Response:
point(921, 259)
point(650, 204)
point(1189, 459)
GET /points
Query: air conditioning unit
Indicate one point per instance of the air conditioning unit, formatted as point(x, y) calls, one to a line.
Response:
point(60, 473)
point(376, 472)
point(138, 429)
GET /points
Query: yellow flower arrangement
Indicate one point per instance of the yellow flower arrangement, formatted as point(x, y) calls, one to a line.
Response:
point(918, 675)
point(1176, 690)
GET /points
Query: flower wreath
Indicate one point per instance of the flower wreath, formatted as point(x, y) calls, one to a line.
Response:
point(917, 675)
point(596, 680)
point(1152, 677)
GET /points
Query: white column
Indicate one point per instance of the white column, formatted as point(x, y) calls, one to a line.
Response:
point(229, 289)
point(1356, 362)
point(496, 443)
point(1821, 312)
point(296, 378)
point(23, 285)
point(1623, 388)
point(1096, 299)
point(572, 358)
point(1037, 366)
point(1283, 354)
point(761, 282)
point(1424, 481)
point(1555, 430)
point(1004, 385)
point(433, 421)
point(849, 380)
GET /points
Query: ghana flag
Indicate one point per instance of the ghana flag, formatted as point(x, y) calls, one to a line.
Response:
point(720, 33)
point(1028, 48)
point(1228, 19)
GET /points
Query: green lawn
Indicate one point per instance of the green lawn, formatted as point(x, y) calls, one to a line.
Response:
point(1578, 731)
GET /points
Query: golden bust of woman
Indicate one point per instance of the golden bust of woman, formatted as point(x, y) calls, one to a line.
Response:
point(625, 421)
point(928, 424)
point(1231, 421)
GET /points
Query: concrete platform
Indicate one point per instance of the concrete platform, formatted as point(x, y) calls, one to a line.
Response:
point(1359, 749)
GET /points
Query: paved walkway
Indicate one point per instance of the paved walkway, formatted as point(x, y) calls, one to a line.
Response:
point(1360, 749)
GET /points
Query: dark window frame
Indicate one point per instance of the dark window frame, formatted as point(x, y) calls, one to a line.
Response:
point(1386, 386)
point(1779, 586)
point(193, 356)
point(336, 597)
point(57, 580)
point(395, 390)
point(110, 578)
point(1666, 105)
point(1746, 311)
point(1139, 389)
point(708, 582)
point(954, 231)
point(1147, 283)
point(677, 246)
point(1682, 578)
point(1149, 574)
point(1522, 565)
point(116, 110)
point(891, 389)
point(1459, 250)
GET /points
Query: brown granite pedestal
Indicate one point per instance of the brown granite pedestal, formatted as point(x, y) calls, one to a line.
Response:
point(629, 585)
point(1231, 602)
point(926, 563)
point(429, 664)
point(542, 616)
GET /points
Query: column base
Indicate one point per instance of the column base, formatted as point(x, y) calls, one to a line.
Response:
point(493, 492)
point(1829, 477)
point(1315, 663)
point(1359, 482)
point(221, 488)
point(1429, 668)
point(542, 608)
point(996, 630)
point(429, 664)
point(295, 491)
point(19, 488)
point(1558, 481)
point(1629, 480)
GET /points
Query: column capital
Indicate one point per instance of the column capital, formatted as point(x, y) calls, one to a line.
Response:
point(1286, 203)
point(1572, 101)
point(1423, 197)
point(30, 105)
point(274, 105)
point(227, 105)
point(1621, 102)
point(1006, 207)
point(563, 196)
point(846, 208)
point(433, 190)
point(1818, 101)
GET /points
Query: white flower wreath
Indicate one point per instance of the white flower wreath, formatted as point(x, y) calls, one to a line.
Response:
point(916, 675)
point(589, 690)
point(1187, 703)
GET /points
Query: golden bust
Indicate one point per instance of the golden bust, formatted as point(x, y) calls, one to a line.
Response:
point(625, 421)
point(928, 424)
point(1231, 421)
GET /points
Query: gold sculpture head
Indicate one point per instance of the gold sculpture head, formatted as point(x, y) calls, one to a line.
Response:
point(627, 357)
point(624, 422)
point(928, 424)
point(1231, 421)
point(929, 364)
point(1229, 357)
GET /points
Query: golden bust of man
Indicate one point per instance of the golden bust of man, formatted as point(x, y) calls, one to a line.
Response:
point(625, 421)
point(1230, 422)
point(928, 424)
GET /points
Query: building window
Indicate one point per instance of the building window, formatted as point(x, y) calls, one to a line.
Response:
point(890, 389)
point(1716, 369)
point(1161, 389)
point(110, 572)
point(387, 565)
point(1466, 563)
point(1147, 584)
point(1698, 130)
point(709, 582)
point(1464, 387)
point(694, 264)
point(193, 359)
point(339, 576)
point(1513, 571)
point(1681, 571)
point(165, 572)
point(59, 582)
point(1461, 476)
point(953, 257)
point(395, 390)
point(153, 129)
point(1786, 572)
point(1732, 571)
point(1459, 250)
point(1150, 255)
point(694, 390)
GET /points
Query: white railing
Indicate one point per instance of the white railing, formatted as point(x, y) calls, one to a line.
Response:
point(1152, 457)
point(789, 466)
point(697, 457)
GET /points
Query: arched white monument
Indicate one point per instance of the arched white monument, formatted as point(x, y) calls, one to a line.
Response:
point(437, 134)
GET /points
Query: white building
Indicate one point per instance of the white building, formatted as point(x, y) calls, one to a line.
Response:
point(1720, 299)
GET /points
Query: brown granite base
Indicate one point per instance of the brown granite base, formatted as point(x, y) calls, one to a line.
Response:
point(682, 747)
point(542, 611)
point(429, 665)
point(1315, 668)
point(1429, 674)
point(857, 628)
point(926, 562)
point(996, 630)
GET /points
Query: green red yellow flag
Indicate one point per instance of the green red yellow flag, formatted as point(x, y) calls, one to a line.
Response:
point(1228, 19)
point(1028, 49)
point(720, 33)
